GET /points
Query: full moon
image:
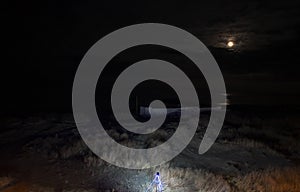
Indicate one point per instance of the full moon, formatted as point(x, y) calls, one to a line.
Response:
point(230, 44)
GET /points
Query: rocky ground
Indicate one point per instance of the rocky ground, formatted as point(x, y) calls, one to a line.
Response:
point(44, 152)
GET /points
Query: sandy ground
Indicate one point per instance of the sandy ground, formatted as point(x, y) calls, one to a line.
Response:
point(46, 153)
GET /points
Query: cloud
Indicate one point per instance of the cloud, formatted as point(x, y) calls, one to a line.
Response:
point(253, 26)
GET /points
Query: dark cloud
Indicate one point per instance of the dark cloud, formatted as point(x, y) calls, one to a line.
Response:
point(254, 26)
point(49, 38)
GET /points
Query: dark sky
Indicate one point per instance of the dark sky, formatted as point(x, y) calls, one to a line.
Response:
point(47, 39)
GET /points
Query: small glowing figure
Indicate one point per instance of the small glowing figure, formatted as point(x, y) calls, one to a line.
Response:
point(156, 183)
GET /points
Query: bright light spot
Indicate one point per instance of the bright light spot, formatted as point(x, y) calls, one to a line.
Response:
point(230, 44)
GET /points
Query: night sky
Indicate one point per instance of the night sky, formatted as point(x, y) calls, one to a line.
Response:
point(47, 40)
